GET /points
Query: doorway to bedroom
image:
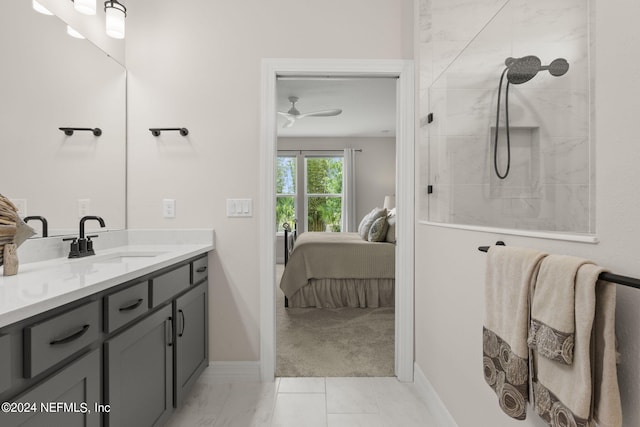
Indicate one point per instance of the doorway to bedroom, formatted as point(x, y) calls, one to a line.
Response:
point(335, 164)
point(332, 165)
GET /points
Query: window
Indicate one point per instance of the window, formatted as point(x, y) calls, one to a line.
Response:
point(323, 193)
point(319, 206)
point(285, 191)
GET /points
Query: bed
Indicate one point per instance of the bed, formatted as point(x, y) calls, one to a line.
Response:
point(331, 270)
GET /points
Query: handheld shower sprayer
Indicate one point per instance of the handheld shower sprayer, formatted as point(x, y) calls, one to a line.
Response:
point(518, 71)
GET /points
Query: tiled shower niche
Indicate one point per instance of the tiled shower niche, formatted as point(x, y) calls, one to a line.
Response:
point(550, 182)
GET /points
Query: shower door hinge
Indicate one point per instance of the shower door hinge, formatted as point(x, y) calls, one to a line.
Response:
point(429, 117)
point(429, 189)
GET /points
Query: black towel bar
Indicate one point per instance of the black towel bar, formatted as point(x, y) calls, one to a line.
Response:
point(607, 277)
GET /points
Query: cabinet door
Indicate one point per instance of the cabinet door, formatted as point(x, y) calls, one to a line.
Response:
point(67, 398)
point(139, 366)
point(191, 339)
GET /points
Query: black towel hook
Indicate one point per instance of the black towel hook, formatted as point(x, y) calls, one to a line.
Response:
point(69, 130)
point(157, 131)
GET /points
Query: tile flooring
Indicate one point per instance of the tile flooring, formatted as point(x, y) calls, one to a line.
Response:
point(302, 402)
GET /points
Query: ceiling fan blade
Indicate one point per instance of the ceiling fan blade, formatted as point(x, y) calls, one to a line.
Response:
point(323, 113)
point(286, 115)
point(290, 121)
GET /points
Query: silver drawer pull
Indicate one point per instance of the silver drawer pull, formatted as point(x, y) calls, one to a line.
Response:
point(202, 269)
point(71, 337)
point(132, 306)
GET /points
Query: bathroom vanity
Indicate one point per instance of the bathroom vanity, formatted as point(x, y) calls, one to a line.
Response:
point(114, 340)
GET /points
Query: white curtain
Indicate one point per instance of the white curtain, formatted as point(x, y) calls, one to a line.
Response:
point(349, 191)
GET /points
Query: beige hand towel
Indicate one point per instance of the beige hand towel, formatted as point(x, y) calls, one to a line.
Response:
point(587, 390)
point(510, 275)
point(552, 328)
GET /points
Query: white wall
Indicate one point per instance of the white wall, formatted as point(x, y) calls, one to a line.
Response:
point(198, 66)
point(449, 309)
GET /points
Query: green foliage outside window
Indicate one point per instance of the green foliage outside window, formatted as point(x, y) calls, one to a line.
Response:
point(324, 187)
point(286, 191)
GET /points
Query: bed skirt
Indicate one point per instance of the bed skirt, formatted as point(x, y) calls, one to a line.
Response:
point(334, 293)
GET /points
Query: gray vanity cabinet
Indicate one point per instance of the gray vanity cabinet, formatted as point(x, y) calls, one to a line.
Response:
point(125, 356)
point(191, 347)
point(139, 372)
point(5, 363)
point(77, 387)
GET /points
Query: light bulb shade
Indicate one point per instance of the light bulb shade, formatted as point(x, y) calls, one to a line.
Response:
point(73, 33)
point(115, 12)
point(40, 8)
point(86, 7)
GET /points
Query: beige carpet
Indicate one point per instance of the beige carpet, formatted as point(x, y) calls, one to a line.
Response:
point(338, 342)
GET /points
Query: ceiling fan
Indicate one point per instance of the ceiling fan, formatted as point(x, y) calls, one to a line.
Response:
point(293, 114)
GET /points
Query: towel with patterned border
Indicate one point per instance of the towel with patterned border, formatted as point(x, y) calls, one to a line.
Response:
point(552, 329)
point(585, 392)
point(510, 275)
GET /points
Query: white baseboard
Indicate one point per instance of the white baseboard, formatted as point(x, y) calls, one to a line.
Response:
point(439, 411)
point(234, 371)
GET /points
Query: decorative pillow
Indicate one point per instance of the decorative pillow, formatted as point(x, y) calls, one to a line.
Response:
point(391, 230)
point(373, 215)
point(378, 230)
point(364, 220)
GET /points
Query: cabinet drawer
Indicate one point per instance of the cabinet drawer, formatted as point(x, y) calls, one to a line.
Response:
point(200, 270)
point(5, 362)
point(52, 340)
point(164, 287)
point(122, 307)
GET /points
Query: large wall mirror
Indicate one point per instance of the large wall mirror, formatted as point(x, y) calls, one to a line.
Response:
point(50, 80)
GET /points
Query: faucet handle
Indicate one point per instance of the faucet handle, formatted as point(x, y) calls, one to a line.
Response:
point(90, 244)
point(75, 248)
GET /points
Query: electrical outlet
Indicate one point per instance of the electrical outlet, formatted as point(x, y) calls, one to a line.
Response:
point(84, 206)
point(21, 205)
point(169, 208)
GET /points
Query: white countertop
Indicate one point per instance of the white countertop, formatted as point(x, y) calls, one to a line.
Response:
point(43, 285)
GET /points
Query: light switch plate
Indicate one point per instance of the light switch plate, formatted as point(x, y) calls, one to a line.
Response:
point(239, 207)
point(84, 205)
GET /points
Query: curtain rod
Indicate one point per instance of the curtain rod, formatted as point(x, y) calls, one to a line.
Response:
point(606, 277)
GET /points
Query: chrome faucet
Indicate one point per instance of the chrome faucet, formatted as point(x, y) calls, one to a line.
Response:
point(45, 225)
point(81, 246)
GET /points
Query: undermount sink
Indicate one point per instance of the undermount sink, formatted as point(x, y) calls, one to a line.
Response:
point(123, 257)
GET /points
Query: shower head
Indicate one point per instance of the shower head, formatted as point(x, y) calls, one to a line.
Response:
point(521, 70)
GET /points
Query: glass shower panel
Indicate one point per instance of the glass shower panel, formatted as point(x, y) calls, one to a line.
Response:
point(546, 143)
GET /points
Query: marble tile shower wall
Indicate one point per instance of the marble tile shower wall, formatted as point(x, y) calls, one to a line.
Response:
point(463, 46)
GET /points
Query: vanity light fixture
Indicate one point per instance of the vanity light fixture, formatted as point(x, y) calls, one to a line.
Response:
point(40, 8)
point(115, 12)
point(74, 33)
point(156, 131)
point(85, 7)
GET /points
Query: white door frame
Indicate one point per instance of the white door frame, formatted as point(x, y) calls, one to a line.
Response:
point(405, 166)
